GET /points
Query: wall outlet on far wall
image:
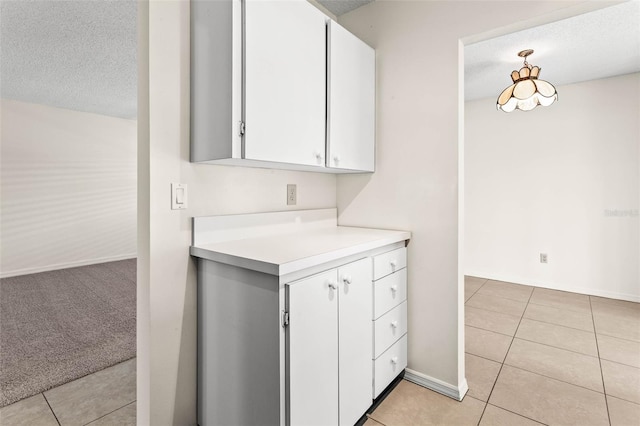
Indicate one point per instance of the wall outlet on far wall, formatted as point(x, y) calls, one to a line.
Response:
point(543, 258)
point(292, 196)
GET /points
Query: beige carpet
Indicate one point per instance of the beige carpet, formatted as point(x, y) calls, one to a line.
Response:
point(61, 325)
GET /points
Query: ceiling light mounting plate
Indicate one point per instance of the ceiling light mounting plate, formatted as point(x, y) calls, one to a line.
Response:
point(525, 53)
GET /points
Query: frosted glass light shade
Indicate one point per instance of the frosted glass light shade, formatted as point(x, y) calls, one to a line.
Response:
point(526, 92)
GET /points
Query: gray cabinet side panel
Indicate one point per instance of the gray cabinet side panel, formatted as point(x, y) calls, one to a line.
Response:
point(211, 79)
point(238, 346)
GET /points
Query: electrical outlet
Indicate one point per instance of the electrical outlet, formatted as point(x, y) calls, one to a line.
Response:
point(292, 196)
point(543, 258)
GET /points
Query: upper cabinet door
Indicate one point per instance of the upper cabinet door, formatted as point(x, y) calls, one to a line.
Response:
point(285, 82)
point(352, 100)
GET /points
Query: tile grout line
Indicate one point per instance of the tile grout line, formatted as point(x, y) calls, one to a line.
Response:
point(517, 414)
point(52, 412)
point(620, 363)
point(493, 295)
point(370, 416)
point(495, 312)
point(484, 329)
point(556, 379)
point(622, 399)
point(480, 356)
point(604, 387)
point(505, 358)
point(510, 299)
point(561, 308)
point(619, 338)
point(492, 331)
point(474, 293)
point(560, 325)
point(111, 412)
point(555, 347)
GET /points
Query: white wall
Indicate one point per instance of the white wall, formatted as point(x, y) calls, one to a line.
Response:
point(167, 274)
point(416, 184)
point(68, 188)
point(414, 187)
point(561, 180)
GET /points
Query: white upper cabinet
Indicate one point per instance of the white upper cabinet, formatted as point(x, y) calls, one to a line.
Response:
point(276, 84)
point(352, 99)
point(285, 82)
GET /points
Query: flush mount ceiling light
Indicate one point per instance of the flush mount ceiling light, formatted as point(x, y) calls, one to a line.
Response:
point(527, 91)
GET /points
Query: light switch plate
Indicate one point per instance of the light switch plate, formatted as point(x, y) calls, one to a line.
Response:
point(178, 196)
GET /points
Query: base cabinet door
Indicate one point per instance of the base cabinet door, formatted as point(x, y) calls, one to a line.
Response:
point(330, 346)
point(312, 341)
point(355, 340)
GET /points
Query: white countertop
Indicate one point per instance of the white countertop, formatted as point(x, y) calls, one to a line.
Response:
point(289, 250)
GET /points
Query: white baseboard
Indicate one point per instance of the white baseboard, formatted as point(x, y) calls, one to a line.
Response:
point(552, 286)
point(436, 385)
point(35, 270)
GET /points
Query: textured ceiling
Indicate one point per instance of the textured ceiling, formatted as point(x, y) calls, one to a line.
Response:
point(78, 55)
point(340, 7)
point(598, 44)
point(81, 55)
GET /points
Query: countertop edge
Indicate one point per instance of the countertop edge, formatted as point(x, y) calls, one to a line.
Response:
point(243, 262)
point(319, 259)
point(298, 264)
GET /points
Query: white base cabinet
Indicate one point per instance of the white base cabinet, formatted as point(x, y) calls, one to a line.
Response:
point(329, 346)
point(389, 317)
point(302, 351)
point(300, 321)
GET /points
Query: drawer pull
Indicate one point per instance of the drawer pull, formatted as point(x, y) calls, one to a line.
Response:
point(332, 285)
point(347, 279)
point(394, 324)
point(393, 263)
point(394, 360)
point(394, 288)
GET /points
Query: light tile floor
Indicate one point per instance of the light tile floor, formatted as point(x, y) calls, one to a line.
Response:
point(104, 398)
point(534, 356)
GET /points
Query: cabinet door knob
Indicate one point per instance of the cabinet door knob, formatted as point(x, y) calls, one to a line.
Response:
point(318, 156)
point(332, 285)
point(394, 288)
point(336, 158)
point(346, 279)
point(394, 360)
point(393, 263)
point(394, 324)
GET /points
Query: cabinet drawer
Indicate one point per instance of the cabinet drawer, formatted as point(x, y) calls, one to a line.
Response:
point(389, 328)
point(390, 262)
point(389, 292)
point(388, 365)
